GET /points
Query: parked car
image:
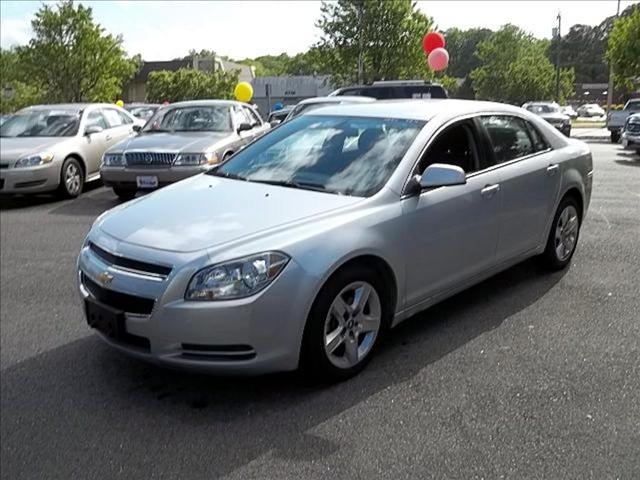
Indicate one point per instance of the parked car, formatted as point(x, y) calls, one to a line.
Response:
point(631, 133)
point(304, 247)
point(316, 102)
point(551, 112)
point(395, 89)
point(569, 111)
point(142, 111)
point(590, 110)
point(49, 147)
point(616, 119)
point(276, 117)
point(179, 141)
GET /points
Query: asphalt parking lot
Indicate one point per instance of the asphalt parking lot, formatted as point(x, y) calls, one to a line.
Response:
point(527, 375)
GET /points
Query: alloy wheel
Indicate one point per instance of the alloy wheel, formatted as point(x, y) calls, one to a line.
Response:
point(352, 324)
point(72, 179)
point(566, 232)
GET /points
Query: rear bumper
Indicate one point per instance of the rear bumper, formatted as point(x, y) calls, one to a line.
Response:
point(43, 178)
point(126, 177)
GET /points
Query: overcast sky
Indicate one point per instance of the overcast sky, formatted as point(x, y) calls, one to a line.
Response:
point(164, 30)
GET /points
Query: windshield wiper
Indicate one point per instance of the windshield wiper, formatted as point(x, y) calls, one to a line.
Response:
point(157, 130)
point(293, 184)
point(232, 176)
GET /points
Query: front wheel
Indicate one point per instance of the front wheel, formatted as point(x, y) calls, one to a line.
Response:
point(71, 178)
point(615, 137)
point(345, 324)
point(563, 236)
point(124, 193)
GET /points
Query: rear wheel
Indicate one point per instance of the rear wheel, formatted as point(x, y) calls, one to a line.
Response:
point(124, 193)
point(615, 137)
point(563, 236)
point(71, 178)
point(345, 325)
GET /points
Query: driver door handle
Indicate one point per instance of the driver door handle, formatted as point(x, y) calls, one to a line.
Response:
point(490, 190)
point(108, 137)
point(552, 169)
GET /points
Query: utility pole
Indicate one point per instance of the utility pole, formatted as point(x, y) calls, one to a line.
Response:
point(360, 6)
point(558, 46)
point(610, 86)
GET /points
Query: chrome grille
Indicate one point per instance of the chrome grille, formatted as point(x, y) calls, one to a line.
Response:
point(633, 127)
point(150, 159)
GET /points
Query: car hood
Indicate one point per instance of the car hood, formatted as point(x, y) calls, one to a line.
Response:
point(174, 142)
point(554, 116)
point(205, 211)
point(17, 147)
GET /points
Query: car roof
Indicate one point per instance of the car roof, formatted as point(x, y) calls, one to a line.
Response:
point(70, 106)
point(202, 103)
point(415, 109)
point(341, 99)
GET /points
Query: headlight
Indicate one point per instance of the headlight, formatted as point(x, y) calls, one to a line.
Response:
point(237, 278)
point(34, 160)
point(189, 159)
point(113, 160)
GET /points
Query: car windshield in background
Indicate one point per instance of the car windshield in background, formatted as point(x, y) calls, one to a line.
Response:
point(208, 118)
point(386, 92)
point(336, 154)
point(144, 113)
point(543, 109)
point(306, 107)
point(42, 123)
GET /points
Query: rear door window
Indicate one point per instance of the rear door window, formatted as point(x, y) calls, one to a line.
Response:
point(509, 136)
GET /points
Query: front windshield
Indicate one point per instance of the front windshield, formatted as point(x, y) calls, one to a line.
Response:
point(306, 107)
point(203, 118)
point(345, 155)
point(42, 123)
point(543, 108)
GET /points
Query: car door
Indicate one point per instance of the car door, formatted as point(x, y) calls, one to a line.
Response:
point(259, 127)
point(452, 231)
point(529, 180)
point(120, 126)
point(94, 144)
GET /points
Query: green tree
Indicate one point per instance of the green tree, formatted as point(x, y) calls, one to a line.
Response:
point(75, 59)
point(514, 68)
point(190, 84)
point(17, 91)
point(623, 49)
point(461, 45)
point(389, 34)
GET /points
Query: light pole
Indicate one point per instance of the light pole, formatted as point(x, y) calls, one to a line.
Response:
point(610, 86)
point(558, 46)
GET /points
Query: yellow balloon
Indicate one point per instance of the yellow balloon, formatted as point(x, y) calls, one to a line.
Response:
point(120, 103)
point(243, 92)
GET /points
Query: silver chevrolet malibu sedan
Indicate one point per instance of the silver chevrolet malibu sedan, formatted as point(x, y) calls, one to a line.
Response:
point(304, 248)
point(179, 141)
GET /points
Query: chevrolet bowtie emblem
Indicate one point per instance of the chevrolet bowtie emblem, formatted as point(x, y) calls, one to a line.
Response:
point(105, 278)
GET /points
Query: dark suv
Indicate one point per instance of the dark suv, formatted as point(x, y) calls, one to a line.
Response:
point(391, 89)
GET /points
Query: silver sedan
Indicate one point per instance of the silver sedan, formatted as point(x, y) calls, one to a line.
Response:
point(304, 248)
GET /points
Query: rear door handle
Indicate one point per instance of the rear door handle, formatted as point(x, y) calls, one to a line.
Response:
point(552, 169)
point(490, 190)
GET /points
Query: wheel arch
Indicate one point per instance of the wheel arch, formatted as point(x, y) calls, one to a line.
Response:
point(80, 160)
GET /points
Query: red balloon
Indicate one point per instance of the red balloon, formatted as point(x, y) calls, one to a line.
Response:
point(431, 41)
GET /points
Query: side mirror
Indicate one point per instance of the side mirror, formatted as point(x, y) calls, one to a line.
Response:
point(275, 123)
point(442, 175)
point(136, 128)
point(91, 129)
point(244, 126)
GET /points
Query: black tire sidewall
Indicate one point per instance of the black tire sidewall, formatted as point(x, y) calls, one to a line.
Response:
point(125, 193)
point(550, 257)
point(313, 357)
point(63, 184)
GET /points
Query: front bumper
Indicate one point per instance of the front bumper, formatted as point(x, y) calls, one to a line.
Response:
point(43, 178)
point(631, 141)
point(126, 176)
point(254, 335)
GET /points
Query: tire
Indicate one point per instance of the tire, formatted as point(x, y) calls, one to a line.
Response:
point(71, 178)
point(124, 193)
point(615, 137)
point(352, 347)
point(563, 239)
